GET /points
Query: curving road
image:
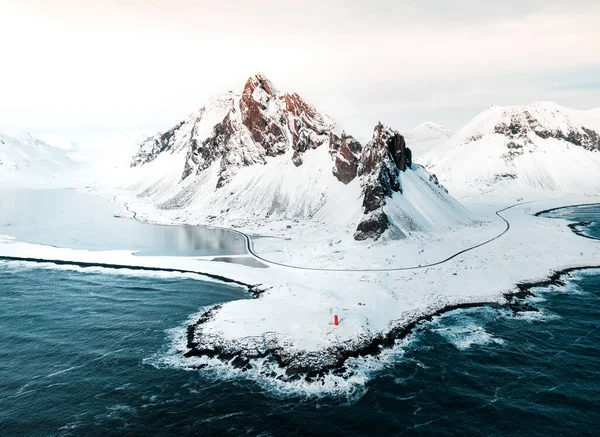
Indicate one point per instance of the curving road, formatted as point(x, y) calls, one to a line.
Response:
point(250, 249)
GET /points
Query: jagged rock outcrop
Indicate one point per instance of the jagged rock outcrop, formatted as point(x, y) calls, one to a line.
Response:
point(185, 134)
point(372, 226)
point(267, 123)
point(381, 162)
point(518, 126)
point(309, 129)
point(523, 126)
point(345, 152)
point(258, 104)
point(152, 147)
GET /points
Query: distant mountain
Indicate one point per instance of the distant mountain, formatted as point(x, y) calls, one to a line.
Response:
point(541, 146)
point(30, 157)
point(263, 155)
point(426, 136)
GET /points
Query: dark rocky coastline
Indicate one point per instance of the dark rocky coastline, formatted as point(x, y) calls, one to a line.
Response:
point(313, 366)
point(575, 227)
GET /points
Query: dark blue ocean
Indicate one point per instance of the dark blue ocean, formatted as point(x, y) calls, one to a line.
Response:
point(90, 352)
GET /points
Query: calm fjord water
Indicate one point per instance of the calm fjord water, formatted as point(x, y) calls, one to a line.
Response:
point(90, 352)
point(67, 218)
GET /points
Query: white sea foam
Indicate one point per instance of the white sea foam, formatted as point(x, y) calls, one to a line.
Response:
point(351, 384)
point(467, 334)
point(535, 316)
point(462, 328)
point(130, 272)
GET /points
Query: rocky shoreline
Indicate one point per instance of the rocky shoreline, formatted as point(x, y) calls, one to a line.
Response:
point(575, 227)
point(314, 366)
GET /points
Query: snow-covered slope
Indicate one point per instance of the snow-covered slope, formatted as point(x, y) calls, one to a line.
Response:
point(29, 158)
point(263, 155)
point(399, 195)
point(540, 147)
point(195, 129)
point(426, 136)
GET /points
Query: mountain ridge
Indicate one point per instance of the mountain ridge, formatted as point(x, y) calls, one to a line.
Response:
point(522, 147)
point(305, 157)
point(29, 156)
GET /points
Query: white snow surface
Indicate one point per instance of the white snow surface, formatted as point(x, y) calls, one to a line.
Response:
point(307, 204)
point(30, 160)
point(300, 313)
point(424, 137)
point(476, 160)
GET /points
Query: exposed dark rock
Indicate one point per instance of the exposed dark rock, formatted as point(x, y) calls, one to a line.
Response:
point(434, 180)
point(521, 125)
point(591, 139)
point(346, 153)
point(504, 177)
point(201, 156)
point(152, 147)
point(372, 226)
point(381, 162)
point(262, 123)
point(379, 168)
point(401, 154)
point(264, 130)
point(472, 138)
point(305, 124)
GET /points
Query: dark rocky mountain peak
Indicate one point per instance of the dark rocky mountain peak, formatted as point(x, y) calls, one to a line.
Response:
point(381, 162)
point(244, 129)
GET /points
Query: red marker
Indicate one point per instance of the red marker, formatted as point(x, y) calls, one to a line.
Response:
point(336, 321)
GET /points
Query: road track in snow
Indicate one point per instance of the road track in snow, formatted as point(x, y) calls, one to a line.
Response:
point(250, 249)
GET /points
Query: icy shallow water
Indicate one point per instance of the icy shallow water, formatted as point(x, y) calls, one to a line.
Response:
point(91, 352)
point(589, 214)
point(67, 218)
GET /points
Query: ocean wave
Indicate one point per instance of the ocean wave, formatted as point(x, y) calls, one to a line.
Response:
point(465, 334)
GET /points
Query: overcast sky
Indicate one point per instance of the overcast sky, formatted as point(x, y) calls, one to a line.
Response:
point(131, 65)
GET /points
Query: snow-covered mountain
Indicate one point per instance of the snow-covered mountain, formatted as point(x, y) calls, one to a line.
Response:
point(262, 155)
point(541, 146)
point(426, 136)
point(399, 195)
point(30, 158)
